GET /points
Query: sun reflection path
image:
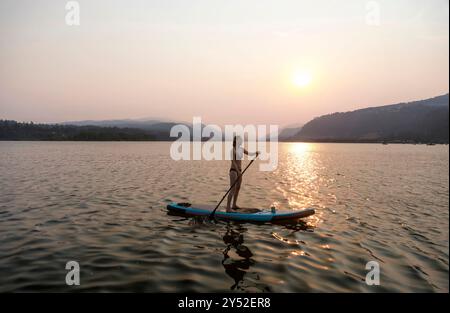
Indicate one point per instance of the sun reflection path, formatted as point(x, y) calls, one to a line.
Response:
point(300, 148)
point(300, 178)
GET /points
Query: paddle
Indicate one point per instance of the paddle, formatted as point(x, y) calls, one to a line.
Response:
point(211, 216)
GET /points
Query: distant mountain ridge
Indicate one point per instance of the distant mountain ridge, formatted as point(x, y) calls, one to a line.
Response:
point(157, 128)
point(114, 122)
point(418, 121)
point(116, 130)
point(289, 132)
point(12, 130)
point(424, 121)
point(155, 125)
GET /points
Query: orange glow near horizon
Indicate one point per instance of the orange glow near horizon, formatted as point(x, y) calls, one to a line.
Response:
point(278, 64)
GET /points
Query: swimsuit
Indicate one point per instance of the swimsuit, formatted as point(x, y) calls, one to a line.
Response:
point(233, 169)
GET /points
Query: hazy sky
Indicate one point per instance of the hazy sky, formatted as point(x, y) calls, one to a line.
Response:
point(228, 61)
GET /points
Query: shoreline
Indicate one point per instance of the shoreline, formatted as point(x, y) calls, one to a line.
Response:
point(280, 141)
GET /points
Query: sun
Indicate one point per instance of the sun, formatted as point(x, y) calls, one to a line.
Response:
point(301, 79)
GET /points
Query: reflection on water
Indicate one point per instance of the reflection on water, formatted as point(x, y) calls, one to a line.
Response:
point(300, 181)
point(103, 205)
point(236, 256)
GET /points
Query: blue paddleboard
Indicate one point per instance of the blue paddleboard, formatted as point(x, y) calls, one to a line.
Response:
point(258, 216)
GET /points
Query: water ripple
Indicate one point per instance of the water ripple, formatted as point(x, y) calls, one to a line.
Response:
point(103, 205)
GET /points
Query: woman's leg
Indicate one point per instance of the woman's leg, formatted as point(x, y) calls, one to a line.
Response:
point(237, 188)
point(233, 177)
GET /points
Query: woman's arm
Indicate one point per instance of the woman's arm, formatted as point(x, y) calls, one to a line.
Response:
point(251, 153)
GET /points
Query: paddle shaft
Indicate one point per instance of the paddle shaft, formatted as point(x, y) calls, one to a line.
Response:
point(235, 182)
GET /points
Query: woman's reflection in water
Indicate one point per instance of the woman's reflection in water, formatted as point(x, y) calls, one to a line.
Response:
point(237, 258)
point(236, 268)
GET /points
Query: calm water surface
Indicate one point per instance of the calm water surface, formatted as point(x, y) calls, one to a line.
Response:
point(103, 205)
